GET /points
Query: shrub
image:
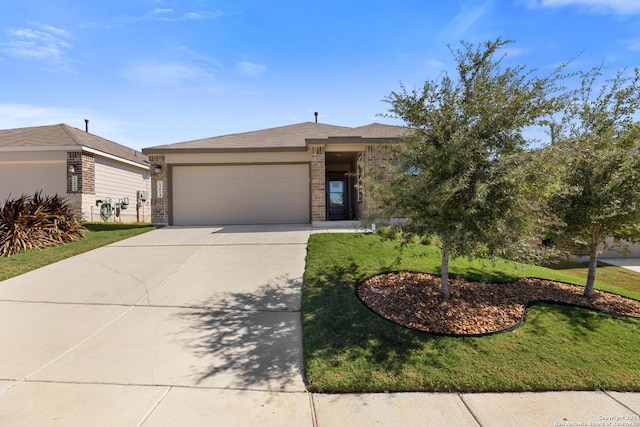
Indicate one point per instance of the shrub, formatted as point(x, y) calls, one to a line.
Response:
point(395, 233)
point(35, 222)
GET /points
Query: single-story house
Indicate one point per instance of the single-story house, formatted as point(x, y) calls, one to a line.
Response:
point(301, 173)
point(97, 176)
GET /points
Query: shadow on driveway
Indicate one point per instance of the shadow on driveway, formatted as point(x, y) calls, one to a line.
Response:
point(252, 349)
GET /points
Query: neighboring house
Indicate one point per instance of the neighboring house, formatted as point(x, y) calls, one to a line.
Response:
point(302, 173)
point(87, 170)
point(631, 249)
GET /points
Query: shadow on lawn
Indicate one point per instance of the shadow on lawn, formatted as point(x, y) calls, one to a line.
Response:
point(115, 226)
point(252, 339)
point(578, 321)
point(339, 329)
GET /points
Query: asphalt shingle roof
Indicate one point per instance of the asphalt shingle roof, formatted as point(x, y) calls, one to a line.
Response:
point(291, 136)
point(63, 135)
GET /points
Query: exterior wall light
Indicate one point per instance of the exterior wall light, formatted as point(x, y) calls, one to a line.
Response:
point(72, 169)
point(158, 169)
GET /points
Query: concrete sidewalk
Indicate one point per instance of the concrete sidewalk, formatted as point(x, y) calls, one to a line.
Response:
point(201, 326)
point(630, 263)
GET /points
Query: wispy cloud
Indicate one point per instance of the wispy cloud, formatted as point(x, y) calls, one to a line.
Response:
point(166, 73)
point(633, 44)
point(26, 115)
point(514, 51)
point(160, 11)
point(434, 65)
point(14, 116)
point(621, 7)
point(171, 15)
point(250, 68)
point(39, 42)
point(467, 17)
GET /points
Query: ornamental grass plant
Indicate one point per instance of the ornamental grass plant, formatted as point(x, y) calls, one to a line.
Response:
point(36, 222)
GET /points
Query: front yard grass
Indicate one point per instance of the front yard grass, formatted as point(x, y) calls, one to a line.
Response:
point(348, 348)
point(99, 234)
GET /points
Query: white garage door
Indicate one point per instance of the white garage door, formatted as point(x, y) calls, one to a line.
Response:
point(256, 194)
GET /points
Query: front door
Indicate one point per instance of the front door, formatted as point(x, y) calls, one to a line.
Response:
point(337, 196)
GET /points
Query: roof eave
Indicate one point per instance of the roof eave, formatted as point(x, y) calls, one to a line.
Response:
point(192, 150)
point(351, 140)
point(75, 148)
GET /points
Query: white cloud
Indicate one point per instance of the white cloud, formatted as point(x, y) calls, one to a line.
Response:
point(633, 44)
point(26, 115)
point(54, 30)
point(250, 68)
point(192, 16)
point(464, 20)
point(514, 51)
point(160, 11)
point(14, 116)
point(170, 15)
point(43, 42)
point(21, 115)
point(434, 64)
point(163, 73)
point(622, 7)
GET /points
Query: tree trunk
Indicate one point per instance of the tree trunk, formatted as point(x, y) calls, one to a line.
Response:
point(593, 263)
point(444, 272)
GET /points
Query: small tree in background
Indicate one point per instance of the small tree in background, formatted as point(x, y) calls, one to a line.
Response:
point(455, 176)
point(596, 159)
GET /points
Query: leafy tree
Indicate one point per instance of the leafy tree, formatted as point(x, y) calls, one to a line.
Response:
point(596, 158)
point(453, 177)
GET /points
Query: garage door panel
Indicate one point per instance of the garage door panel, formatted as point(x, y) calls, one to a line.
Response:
point(240, 194)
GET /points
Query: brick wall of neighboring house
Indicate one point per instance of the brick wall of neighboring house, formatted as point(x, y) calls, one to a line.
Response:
point(159, 205)
point(85, 170)
point(318, 184)
point(375, 157)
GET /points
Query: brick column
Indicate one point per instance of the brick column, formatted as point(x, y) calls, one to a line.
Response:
point(81, 183)
point(85, 171)
point(375, 157)
point(318, 184)
point(159, 202)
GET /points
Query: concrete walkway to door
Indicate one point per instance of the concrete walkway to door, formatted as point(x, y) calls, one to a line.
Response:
point(200, 327)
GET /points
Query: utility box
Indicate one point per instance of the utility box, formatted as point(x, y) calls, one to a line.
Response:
point(142, 196)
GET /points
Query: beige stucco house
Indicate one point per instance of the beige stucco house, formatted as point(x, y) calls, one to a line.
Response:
point(88, 170)
point(302, 173)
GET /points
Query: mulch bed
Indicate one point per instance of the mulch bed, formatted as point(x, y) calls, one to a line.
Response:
point(413, 300)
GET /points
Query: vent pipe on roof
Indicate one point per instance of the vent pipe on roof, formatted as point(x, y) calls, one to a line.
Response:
point(86, 125)
point(316, 114)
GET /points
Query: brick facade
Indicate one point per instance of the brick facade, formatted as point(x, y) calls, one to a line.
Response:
point(318, 184)
point(85, 169)
point(375, 157)
point(159, 205)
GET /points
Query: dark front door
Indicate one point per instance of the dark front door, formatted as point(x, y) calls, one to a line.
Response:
point(337, 196)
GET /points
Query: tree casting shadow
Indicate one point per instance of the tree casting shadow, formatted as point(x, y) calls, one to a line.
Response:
point(252, 339)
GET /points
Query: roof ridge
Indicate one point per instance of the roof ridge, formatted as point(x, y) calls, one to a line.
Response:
point(255, 131)
point(66, 127)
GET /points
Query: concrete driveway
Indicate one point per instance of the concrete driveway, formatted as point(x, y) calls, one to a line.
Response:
point(158, 325)
point(630, 263)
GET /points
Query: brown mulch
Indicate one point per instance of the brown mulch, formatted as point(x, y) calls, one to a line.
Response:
point(413, 300)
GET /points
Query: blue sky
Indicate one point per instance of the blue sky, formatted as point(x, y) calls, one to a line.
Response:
point(151, 72)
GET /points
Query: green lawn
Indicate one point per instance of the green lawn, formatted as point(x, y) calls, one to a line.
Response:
point(348, 348)
point(99, 234)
